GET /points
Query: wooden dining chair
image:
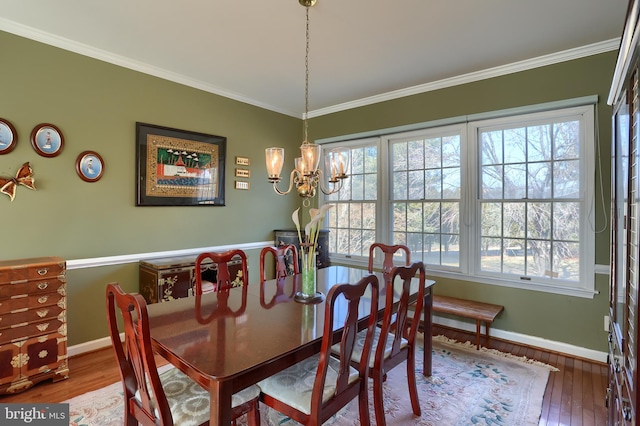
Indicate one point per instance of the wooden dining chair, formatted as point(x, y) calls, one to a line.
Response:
point(394, 341)
point(313, 390)
point(389, 251)
point(223, 276)
point(167, 398)
point(279, 255)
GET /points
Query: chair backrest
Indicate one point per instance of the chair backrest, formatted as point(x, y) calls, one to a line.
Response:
point(138, 369)
point(284, 266)
point(346, 299)
point(223, 277)
point(388, 252)
point(397, 322)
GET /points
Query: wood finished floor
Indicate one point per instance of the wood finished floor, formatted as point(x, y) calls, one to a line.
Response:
point(574, 396)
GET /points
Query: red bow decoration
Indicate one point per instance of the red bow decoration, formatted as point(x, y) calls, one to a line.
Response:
point(23, 177)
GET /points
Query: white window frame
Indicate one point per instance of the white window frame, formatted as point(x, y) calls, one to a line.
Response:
point(469, 210)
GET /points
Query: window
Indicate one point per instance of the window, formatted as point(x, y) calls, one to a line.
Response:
point(504, 200)
point(353, 220)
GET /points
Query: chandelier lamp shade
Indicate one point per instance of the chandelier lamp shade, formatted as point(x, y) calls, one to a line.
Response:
point(307, 175)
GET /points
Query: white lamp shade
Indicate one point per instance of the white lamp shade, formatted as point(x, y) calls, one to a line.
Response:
point(310, 156)
point(275, 161)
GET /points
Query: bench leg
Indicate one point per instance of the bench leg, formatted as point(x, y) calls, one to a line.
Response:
point(486, 330)
point(478, 334)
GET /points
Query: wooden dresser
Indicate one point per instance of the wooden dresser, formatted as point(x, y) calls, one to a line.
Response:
point(623, 391)
point(33, 324)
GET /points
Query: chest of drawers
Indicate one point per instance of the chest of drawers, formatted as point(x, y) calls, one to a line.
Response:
point(33, 324)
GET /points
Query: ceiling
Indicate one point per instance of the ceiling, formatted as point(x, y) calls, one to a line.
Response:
point(361, 51)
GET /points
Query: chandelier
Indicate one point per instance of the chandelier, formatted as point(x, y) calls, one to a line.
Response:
point(306, 176)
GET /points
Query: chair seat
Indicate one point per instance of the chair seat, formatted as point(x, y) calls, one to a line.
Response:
point(189, 402)
point(294, 385)
point(357, 348)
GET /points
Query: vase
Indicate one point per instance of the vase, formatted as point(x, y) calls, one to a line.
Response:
point(307, 277)
point(308, 281)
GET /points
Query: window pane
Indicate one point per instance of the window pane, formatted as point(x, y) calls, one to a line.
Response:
point(414, 217)
point(491, 254)
point(451, 151)
point(450, 218)
point(539, 220)
point(399, 156)
point(565, 261)
point(539, 183)
point(515, 146)
point(565, 224)
point(416, 155)
point(515, 181)
point(566, 140)
point(370, 187)
point(491, 143)
point(357, 187)
point(432, 218)
point(451, 183)
point(491, 219)
point(433, 153)
point(491, 182)
point(416, 185)
point(566, 179)
point(450, 250)
point(433, 179)
point(355, 215)
point(538, 143)
point(399, 185)
point(514, 220)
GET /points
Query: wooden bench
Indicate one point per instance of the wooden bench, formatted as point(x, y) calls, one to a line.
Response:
point(478, 311)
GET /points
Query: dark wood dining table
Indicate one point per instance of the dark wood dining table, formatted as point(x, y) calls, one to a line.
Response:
point(232, 339)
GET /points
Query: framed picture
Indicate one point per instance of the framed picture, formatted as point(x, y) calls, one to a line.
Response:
point(47, 140)
point(178, 167)
point(8, 137)
point(89, 166)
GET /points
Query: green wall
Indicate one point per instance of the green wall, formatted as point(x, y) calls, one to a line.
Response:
point(573, 320)
point(96, 106)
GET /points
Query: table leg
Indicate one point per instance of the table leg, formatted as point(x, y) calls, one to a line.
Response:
point(428, 332)
point(478, 334)
point(220, 396)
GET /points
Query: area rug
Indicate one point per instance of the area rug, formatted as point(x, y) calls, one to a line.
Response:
point(467, 387)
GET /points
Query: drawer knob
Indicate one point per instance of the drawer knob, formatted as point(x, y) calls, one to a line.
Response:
point(42, 327)
point(44, 285)
point(42, 313)
point(19, 360)
point(43, 271)
point(42, 299)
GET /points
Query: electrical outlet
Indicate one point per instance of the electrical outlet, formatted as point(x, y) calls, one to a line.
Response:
point(606, 323)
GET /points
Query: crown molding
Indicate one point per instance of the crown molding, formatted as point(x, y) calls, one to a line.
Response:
point(528, 64)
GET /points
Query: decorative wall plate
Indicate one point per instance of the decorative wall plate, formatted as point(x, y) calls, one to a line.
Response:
point(8, 137)
point(47, 140)
point(89, 166)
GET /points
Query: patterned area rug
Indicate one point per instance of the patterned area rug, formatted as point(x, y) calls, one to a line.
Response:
point(468, 387)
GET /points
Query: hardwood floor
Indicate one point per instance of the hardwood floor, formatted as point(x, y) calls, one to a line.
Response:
point(574, 396)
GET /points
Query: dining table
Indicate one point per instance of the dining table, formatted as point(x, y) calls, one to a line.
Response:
point(231, 339)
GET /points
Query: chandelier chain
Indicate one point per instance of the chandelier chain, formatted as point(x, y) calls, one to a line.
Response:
point(306, 82)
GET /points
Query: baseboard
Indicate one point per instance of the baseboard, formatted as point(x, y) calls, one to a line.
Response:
point(90, 346)
point(524, 339)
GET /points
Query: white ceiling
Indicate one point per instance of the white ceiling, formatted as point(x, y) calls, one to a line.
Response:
point(361, 50)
